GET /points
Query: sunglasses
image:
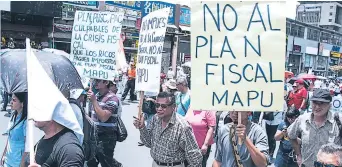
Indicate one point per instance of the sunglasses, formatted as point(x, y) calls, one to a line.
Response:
point(319, 164)
point(163, 106)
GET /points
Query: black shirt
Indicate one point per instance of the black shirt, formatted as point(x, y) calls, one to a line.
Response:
point(61, 150)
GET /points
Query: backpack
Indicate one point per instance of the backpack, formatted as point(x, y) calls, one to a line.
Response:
point(226, 120)
point(149, 107)
point(90, 140)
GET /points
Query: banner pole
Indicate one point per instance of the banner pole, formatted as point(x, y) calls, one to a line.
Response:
point(239, 122)
point(141, 101)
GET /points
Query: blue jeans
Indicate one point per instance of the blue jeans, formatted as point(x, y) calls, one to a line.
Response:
point(283, 160)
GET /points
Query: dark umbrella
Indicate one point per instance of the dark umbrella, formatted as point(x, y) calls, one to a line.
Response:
point(59, 68)
point(294, 79)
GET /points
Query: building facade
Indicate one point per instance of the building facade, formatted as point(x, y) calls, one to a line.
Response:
point(311, 47)
point(326, 14)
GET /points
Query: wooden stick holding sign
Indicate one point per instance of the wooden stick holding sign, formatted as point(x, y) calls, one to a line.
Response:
point(141, 102)
point(239, 122)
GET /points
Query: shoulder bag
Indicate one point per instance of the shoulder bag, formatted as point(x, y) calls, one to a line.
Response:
point(181, 100)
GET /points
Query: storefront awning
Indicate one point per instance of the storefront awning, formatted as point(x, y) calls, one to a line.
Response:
point(185, 28)
point(172, 26)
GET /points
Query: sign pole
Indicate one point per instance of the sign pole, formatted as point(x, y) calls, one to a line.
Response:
point(141, 101)
point(239, 122)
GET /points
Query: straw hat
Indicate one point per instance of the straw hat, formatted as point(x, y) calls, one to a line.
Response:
point(171, 84)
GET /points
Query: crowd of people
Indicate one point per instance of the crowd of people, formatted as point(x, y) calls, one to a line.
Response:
point(308, 131)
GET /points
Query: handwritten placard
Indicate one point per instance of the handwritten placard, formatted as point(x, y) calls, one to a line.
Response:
point(237, 54)
point(150, 50)
point(95, 43)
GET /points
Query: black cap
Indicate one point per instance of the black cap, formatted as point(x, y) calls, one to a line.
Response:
point(321, 95)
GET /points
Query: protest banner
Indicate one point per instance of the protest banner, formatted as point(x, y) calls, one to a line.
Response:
point(336, 104)
point(237, 54)
point(151, 42)
point(95, 43)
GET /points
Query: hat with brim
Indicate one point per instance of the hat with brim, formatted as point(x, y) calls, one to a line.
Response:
point(321, 95)
point(171, 84)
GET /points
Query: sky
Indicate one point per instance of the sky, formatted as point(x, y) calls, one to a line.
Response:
point(290, 5)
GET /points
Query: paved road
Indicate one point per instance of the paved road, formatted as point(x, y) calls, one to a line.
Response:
point(127, 152)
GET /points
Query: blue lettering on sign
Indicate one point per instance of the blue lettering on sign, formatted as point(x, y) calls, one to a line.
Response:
point(151, 6)
point(215, 18)
point(335, 49)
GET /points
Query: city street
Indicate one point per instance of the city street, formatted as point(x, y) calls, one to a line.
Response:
point(127, 152)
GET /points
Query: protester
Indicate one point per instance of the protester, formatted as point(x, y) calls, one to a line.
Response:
point(329, 155)
point(254, 149)
point(300, 96)
point(202, 123)
point(285, 156)
point(149, 109)
point(105, 107)
point(315, 129)
point(271, 129)
point(59, 147)
point(6, 99)
point(183, 97)
point(171, 86)
point(130, 84)
point(114, 89)
point(14, 153)
point(170, 137)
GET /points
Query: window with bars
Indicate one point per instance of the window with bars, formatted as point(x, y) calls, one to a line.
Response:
point(312, 34)
point(288, 28)
point(297, 30)
point(325, 37)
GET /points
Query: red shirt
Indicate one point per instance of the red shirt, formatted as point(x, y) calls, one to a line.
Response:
point(297, 97)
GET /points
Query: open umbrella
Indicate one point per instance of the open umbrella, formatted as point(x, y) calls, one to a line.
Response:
point(59, 68)
point(294, 79)
point(306, 76)
point(321, 78)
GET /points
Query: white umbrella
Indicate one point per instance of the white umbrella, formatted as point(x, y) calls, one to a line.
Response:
point(321, 78)
point(57, 52)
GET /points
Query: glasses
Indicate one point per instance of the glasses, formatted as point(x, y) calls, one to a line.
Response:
point(320, 164)
point(163, 106)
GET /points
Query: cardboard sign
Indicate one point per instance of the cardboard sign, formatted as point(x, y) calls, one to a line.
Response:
point(237, 51)
point(95, 43)
point(150, 50)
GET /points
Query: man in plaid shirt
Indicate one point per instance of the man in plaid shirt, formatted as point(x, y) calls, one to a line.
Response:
point(169, 136)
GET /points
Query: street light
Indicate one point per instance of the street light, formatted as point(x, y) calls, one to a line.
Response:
point(293, 40)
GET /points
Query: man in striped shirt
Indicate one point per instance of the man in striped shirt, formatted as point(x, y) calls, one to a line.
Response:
point(105, 107)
